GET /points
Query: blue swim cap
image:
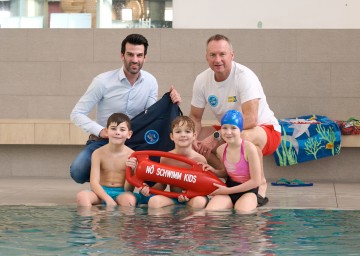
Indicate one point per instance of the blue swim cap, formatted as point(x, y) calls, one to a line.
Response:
point(233, 117)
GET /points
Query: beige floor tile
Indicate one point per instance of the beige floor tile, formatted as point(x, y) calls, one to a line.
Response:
point(349, 202)
point(39, 191)
point(60, 191)
point(348, 189)
point(320, 195)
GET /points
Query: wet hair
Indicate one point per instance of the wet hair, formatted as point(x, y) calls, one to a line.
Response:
point(181, 121)
point(219, 37)
point(118, 118)
point(135, 39)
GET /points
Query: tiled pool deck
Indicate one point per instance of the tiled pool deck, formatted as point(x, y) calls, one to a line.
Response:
point(60, 191)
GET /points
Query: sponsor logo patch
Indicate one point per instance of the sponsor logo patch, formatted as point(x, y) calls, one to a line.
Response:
point(151, 137)
point(213, 100)
point(232, 99)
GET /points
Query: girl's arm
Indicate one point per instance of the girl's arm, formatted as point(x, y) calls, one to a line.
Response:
point(221, 173)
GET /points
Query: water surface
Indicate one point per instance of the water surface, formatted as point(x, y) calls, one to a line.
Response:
point(178, 230)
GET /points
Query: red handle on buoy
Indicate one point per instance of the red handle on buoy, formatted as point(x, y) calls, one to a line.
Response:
point(194, 180)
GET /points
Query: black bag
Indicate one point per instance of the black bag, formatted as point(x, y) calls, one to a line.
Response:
point(151, 128)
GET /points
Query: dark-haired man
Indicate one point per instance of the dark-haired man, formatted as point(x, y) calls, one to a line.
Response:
point(128, 90)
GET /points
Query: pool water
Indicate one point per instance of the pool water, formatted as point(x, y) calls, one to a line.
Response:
point(178, 230)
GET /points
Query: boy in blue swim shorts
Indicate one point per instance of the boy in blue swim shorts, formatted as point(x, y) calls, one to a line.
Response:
point(108, 164)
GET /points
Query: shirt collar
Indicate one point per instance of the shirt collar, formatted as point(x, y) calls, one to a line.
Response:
point(122, 75)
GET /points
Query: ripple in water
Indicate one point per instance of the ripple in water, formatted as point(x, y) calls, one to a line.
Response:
point(66, 230)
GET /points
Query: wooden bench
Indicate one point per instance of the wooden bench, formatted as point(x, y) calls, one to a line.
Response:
point(350, 141)
point(40, 132)
point(63, 132)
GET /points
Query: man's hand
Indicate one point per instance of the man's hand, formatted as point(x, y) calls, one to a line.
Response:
point(174, 95)
point(103, 134)
point(205, 146)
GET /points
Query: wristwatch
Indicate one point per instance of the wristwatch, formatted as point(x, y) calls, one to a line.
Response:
point(217, 135)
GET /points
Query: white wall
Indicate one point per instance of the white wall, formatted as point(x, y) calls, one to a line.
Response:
point(273, 14)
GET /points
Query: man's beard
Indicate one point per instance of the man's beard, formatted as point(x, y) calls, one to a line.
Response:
point(131, 70)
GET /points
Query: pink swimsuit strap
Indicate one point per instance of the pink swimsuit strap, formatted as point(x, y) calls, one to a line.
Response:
point(239, 171)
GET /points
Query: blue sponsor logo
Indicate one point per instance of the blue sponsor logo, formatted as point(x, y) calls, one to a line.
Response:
point(213, 100)
point(151, 137)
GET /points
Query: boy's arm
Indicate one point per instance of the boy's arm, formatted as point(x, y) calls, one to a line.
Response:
point(95, 180)
point(131, 163)
point(128, 186)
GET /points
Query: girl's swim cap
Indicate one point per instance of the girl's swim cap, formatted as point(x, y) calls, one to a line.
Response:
point(233, 117)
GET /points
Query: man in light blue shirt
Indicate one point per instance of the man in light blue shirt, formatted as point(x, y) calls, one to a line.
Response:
point(127, 90)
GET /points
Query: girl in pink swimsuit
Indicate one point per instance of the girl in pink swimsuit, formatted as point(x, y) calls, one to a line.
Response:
point(242, 166)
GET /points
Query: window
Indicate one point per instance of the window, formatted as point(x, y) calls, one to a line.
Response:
point(142, 13)
point(86, 13)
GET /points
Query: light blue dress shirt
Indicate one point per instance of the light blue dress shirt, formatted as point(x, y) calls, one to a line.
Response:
point(111, 92)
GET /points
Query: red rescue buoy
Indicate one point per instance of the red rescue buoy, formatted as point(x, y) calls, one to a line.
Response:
point(194, 180)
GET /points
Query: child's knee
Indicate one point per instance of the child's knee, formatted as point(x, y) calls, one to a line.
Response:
point(82, 198)
point(198, 202)
point(126, 199)
point(154, 202)
point(159, 201)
